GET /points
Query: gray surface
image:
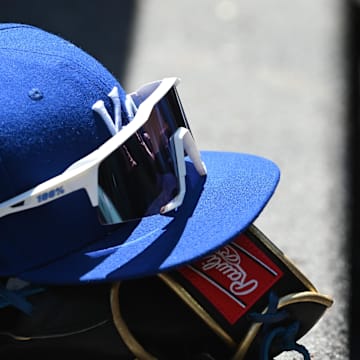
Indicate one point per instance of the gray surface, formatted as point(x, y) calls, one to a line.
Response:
point(266, 77)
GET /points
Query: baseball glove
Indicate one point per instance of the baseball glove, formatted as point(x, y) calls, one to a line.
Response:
point(244, 301)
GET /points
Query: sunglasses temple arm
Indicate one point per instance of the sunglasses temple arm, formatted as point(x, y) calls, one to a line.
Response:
point(184, 141)
point(54, 189)
point(192, 151)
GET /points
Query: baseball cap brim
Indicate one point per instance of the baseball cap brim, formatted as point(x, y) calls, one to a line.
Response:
point(216, 208)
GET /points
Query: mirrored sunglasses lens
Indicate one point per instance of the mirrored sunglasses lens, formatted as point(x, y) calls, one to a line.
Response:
point(171, 108)
point(140, 177)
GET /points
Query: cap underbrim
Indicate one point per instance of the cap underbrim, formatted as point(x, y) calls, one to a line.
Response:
point(216, 208)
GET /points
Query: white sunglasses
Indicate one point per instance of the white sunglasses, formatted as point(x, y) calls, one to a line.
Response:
point(140, 171)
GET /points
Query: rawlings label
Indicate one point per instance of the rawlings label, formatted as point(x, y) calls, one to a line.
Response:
point(234, 277)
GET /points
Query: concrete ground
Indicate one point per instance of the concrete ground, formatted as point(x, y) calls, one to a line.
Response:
point(267, 77)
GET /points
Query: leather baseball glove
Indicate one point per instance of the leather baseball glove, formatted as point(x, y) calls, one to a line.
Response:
point(244, 301)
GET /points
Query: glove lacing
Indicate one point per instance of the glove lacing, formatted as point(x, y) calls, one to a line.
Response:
point(18, 297)
point(286, 334)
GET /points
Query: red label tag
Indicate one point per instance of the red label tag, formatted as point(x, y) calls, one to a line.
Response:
point(234, 277)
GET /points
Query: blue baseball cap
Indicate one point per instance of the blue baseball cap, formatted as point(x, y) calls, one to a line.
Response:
point(49, 86)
